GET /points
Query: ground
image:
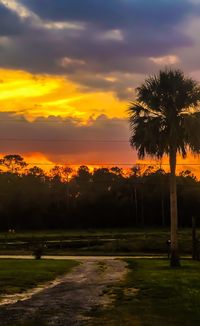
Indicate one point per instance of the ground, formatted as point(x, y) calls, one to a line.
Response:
point(69, 299)
point(94, 242)
point(111, 292)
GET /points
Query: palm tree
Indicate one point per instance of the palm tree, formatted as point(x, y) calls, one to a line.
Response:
point(165, 120)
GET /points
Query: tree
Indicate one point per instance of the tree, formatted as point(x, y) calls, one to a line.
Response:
point(56, 173)
point(66, 173)
point(37, 172)
point(134, 177)
point(14, 163)
point(116, 170)
point(165, 120)
point(83, 176)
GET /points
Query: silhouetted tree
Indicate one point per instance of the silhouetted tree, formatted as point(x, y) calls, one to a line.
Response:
point(14, 163)
point(36, 172)
point(165, 120)
point(33, 199)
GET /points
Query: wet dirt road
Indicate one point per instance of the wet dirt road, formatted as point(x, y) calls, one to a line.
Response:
point(68, 301)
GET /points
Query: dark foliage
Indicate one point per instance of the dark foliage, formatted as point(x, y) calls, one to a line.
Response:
point(103, 198)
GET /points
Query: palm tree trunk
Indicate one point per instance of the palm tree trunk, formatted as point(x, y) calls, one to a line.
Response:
point(136, 207)
point(175, 262)
point(162, 205)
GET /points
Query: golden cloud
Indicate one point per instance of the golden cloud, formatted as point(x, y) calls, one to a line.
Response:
point(46, 95)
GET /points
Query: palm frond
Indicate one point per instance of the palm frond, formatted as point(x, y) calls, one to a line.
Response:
point(191, 125)
point(140, 109)
point(161, 117)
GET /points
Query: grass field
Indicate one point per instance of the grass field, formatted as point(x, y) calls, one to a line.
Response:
point(108, 241)
point(154, 294)
point(19, 275)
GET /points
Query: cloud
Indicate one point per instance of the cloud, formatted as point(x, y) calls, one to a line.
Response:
point(190, 56)
point(113, 13)
point(94, 142)
point(168, 59)
point(35, 95)
point(10, 22)
point(84, 39)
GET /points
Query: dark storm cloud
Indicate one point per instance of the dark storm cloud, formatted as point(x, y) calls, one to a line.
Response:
point(47, 135)
point(115, 36)
point(147, 27)
point(113, 13)
point(10, 23)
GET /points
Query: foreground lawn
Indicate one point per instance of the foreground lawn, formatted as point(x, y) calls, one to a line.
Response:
point(154, 294)
point(19, 275)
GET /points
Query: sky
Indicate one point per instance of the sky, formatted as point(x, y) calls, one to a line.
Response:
point(69, 69)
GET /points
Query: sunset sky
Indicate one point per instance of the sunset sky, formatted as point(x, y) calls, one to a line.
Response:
point(68, 70)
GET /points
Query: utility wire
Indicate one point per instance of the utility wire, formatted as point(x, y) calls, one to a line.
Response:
point(112, 164)
point(66, 140)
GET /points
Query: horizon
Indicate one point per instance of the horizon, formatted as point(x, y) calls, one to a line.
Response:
point(69, 75)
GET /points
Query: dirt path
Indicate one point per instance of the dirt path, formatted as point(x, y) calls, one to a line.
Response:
point(70, 299)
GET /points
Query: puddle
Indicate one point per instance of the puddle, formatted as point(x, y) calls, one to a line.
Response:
point(6, 299)
point(131, 291)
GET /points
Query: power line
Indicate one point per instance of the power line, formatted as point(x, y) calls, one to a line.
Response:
point(66, 140)
point(111, 164)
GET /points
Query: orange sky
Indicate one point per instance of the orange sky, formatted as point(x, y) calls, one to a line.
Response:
point(36, 96)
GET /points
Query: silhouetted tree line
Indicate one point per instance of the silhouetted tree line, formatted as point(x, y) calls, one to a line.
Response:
point(63, 198)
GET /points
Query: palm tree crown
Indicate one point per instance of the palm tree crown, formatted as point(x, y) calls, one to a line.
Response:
point(165, 115)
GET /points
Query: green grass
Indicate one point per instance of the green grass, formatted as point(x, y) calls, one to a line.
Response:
point(19, 275)
point(103, 241)
point(154, 294)
point(66, 234)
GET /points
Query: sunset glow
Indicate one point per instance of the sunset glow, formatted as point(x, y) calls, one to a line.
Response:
point(68, 75)
point(44, 95)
